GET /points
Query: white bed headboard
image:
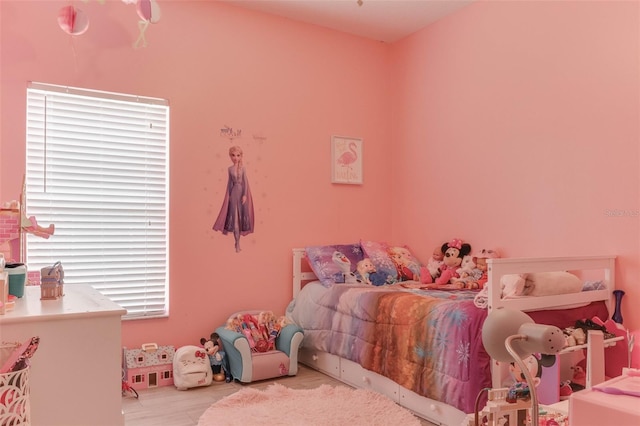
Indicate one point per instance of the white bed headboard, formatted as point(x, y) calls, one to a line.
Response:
point(300, 276)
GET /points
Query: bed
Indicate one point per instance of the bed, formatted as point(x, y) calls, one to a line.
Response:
point(423, 348)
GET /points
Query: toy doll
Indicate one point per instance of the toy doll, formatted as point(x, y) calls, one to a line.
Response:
point(234, 324)
point(481, 268)
point(216, 356)
point(269, 329)
point(365, 268)
point(481, 265)
point(429, 273)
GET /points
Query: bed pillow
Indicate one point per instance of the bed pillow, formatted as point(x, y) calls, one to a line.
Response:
point(540, 284)
point(407, 266)
point(551, 283)
point(386, 272)
point(335, 264)
point(512, 285)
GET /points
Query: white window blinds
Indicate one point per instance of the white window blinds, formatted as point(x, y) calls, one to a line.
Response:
point(97, 168)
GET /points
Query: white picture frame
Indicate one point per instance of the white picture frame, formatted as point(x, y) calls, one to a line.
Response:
point(346, 160)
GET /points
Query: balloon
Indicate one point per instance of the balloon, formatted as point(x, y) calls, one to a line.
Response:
point(148, 10)
point(73, 21)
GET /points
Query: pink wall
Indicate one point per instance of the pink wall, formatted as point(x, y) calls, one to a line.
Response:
point(218, 65)
point(513, 126)
point(518, 126)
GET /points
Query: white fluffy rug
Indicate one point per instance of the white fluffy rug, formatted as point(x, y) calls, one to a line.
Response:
point(322, 406)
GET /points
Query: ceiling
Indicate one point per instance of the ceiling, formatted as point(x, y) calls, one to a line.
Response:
point(382, 20)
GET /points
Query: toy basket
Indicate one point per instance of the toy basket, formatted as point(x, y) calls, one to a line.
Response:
point(14, 391)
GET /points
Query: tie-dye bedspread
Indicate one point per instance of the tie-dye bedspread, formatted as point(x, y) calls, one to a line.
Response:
point(428, 342)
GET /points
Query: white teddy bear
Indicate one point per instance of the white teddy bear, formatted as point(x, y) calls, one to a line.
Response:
point(466, 267)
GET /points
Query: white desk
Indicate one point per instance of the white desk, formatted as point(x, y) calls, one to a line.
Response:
point(76, 374)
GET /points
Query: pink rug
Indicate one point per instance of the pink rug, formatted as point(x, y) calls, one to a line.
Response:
point(325, 406)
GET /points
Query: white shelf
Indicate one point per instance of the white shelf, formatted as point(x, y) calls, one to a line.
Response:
point(607, 343)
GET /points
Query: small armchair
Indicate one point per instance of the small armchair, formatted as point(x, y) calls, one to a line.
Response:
point(248, 366)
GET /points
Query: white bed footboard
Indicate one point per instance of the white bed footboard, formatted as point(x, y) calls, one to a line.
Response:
point(497, 268)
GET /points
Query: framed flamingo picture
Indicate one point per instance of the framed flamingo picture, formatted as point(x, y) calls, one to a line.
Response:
point(346, 160)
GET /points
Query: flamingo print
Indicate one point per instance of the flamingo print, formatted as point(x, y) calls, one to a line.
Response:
point(348, 157)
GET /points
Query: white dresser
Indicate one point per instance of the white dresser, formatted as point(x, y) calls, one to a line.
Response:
point(76, 373)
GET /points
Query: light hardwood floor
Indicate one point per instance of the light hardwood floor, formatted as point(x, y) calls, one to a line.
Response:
point(168, 406)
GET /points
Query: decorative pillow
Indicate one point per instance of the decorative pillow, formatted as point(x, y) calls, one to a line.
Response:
point(335, 264)
point(392, 263)
point(512, 285)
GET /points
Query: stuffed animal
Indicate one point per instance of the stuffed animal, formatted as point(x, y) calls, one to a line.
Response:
point(216, 356)
point(579, 376)
point(534, 364)
point(365, 268)
point(453, 251)
point(467, 266)
point(344, 265)
point(468, 273)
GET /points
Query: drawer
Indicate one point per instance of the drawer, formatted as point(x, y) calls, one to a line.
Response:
point(362, 378)
point(322, 361)
point(434, 411)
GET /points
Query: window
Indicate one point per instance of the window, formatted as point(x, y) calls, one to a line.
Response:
point(97, 168)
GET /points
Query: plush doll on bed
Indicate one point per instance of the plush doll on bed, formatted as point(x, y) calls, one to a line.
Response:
point(365, 268)
point(481, 281)
point(454, 252)
point(429, 273)
point(469, 273)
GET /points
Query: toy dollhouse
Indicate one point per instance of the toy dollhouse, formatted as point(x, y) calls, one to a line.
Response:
point(10, 232)
point(148, 367)
point(499, 412)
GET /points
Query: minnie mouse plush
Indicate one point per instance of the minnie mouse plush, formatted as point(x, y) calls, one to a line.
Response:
point(453, 251)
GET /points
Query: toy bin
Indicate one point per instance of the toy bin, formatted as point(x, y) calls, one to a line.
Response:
point(14, 392)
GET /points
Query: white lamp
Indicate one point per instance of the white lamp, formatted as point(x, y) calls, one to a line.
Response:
point(510, 335)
